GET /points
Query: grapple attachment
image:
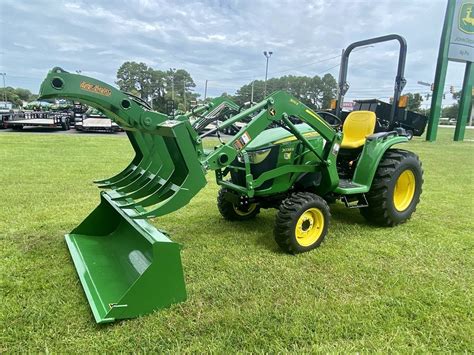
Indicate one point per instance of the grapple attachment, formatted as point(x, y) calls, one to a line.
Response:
point(126, 266)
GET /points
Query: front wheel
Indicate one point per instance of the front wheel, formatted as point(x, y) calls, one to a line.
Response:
point(395, 190)
point(302, 222)
point(234, 212)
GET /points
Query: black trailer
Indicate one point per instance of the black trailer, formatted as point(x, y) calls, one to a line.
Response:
point(18, 120)
point(413, 122)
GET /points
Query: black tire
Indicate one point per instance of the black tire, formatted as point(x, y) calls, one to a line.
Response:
point(291, 221)
point(65, 125)
point(384, 208)
point(232, 212)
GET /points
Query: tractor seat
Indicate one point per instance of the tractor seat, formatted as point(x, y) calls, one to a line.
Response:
point(357, 126)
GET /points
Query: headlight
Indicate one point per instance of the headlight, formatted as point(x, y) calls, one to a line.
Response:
point(255, 157)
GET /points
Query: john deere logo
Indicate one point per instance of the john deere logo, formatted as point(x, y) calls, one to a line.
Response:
point(466, 18)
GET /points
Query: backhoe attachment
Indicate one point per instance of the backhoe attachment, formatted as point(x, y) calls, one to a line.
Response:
point(126, 266)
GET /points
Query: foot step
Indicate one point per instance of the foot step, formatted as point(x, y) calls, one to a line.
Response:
point(355, 201)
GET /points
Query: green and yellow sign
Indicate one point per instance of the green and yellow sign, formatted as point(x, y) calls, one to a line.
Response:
point(461, 44)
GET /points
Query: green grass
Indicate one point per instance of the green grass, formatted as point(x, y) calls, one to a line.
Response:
point(409, 288)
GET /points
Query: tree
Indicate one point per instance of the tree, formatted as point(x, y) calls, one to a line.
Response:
point(451, 111)
point(157, 86)
point(180, 84)
point(135, 78)
point(313, 91)
point(17, 95)
point(414, 102)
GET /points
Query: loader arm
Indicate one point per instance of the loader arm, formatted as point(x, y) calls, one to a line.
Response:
point(278, 107)
point(220, 108)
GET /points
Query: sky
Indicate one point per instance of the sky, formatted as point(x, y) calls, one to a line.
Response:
point(223, 41)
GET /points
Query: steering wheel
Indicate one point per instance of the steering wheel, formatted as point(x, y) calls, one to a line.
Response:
point(334, 121)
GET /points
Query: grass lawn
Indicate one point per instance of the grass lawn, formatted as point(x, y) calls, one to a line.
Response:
point(409, 288)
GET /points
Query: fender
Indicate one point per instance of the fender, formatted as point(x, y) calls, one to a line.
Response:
point(372, 153)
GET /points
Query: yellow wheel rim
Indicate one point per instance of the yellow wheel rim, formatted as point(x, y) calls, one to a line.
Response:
point(250, 209)
point(309, 227)
point(404, 190)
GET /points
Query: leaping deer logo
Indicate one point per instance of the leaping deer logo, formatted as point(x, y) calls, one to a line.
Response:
point(466, 19)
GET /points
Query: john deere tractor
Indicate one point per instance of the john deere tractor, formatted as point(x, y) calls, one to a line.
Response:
point(127, 267)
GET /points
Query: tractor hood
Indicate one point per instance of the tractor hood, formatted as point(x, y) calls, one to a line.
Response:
point(279, 135)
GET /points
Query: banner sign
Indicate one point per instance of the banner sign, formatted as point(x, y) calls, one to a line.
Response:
point(461, 45)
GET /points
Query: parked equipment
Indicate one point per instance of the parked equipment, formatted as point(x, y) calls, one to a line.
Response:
point(389, 116)
point(93, 120)
point(46, 119)
point(220, 109)
point(128, 268)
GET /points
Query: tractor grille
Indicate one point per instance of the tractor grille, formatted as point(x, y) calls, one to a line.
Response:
point(269, 163)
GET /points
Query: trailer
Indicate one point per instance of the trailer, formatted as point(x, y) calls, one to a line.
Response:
point(95, 121)
point(5, 114)
point(78, 110)
point(19, 120)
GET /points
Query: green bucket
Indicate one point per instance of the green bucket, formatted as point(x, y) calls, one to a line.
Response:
point(126, 266)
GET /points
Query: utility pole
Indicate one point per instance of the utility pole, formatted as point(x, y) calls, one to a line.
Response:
point(184, 94)
point(205, 91)
point(251, 94)
point(4, 89)
point(173, 70)
point(267, 55)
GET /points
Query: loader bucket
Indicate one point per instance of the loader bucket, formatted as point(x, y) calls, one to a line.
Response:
point(127, 267)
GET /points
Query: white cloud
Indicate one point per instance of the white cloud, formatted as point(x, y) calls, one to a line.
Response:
point(221, 40)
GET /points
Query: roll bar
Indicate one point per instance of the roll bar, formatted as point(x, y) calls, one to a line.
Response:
point(400, 80)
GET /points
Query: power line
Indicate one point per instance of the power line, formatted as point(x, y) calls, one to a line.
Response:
point(293, 68)
point(276, 72)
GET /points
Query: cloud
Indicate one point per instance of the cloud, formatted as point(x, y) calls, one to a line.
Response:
point(221, 40)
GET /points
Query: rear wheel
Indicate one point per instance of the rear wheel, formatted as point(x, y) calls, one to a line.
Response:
point(65, 125)
point(395, 190)
point(302, 222)
point(234, 212)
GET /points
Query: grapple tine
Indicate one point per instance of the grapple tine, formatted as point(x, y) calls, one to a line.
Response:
point(142, 167)
point(131, 167)
point(187, 178)
point(155, 179)
point(130, 201)
point(160, 161)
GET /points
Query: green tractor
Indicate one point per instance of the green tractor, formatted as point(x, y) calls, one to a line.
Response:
point(127, 267)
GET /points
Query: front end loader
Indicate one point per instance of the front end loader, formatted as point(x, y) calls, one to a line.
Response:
point(285, 156)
